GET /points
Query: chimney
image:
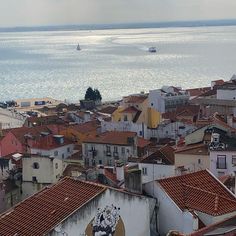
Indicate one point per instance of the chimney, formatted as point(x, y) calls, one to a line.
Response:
point(215, 138)
point(230, 120)
point(101, 170)
point(120, 172)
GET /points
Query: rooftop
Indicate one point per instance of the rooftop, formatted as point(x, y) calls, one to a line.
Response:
point(199, 191)
point(40, 213)
point(112, 137)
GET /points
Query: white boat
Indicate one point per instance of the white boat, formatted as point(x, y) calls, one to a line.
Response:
point(78, 47)
point(152, 49)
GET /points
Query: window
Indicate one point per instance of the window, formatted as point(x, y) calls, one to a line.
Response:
point(140, 133)
point(63, 155)
point(144, 170)
point(125, 118)
point(199, 161)
point(123, 150)
point(115, 149)
point(234, 160)
point(68, 149)
point(35, 165)
point(56, 165)
point(34, 179)
point(100, 162)
point(221, 162)
point(56, 153)
point(108, 150)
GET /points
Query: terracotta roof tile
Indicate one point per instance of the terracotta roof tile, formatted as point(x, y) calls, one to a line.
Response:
point(135, 98)
point(143, 142)
point(40, 213)
point(112, 137)
point(199, 191)
point(130, 110)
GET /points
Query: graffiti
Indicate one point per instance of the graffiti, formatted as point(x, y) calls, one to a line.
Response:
point(106, 220)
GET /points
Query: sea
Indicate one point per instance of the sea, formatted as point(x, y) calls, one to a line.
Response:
point(40, 62)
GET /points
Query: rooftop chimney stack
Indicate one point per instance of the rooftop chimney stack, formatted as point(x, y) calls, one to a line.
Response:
point(120, 172)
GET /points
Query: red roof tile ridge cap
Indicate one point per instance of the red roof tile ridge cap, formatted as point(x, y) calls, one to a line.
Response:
point(231, 193)
point(180, 176)
point(212, 193)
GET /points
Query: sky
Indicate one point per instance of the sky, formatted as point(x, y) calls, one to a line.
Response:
point(62, 12)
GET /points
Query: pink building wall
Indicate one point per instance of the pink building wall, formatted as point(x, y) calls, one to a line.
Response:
point(10, 144)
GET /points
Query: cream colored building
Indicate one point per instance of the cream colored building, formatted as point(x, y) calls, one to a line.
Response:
point(192, 158)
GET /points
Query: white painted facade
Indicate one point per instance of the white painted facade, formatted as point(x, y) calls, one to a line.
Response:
point(173, 130)
point(152, 172)
point(62, 152)
point(226, 94)
point(170, 216)
point(11, 119)
point(221, 169)
point(140, 129)
point(99, 154)
point(130, 205)
point(164, 99)
point(44, 169)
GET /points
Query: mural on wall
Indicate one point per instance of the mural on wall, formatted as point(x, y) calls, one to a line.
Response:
point(107, 222)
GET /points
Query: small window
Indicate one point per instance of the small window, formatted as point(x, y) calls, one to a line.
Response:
point(100, 162)
point(56, 165)
point(125, 118)
point(34, 179)
point(199, 161)
point(35, 165)
point(140, 133)
point(234, 160)
point(152, 104)
point(56, 153)
point(63, 155)
point(68, 149)
point(115, 149)
point(144, 170)
point(123, 150)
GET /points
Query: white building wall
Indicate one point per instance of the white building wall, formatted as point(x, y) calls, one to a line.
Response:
point(101, 152)
point(140, 129)
point(226, 94)
point(170, 216)
point(61, 151)
point(156, 100)
point(130, 205)
point(230, 168)
point(156, 171)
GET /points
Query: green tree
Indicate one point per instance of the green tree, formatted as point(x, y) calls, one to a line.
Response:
point(89, 95)
point(97, 94)
point(92, 94)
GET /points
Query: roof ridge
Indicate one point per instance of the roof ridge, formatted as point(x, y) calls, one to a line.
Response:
point(202, 190)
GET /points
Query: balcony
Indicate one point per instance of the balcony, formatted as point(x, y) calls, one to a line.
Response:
point(108, 153)
point(115, 154)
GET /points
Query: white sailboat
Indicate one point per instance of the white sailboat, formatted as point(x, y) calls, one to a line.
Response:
point(78, 47)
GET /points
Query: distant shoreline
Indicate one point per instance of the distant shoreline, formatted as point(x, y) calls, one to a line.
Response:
point(173, 24)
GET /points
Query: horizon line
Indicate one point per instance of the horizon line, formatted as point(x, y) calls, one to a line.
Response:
point(100, 26)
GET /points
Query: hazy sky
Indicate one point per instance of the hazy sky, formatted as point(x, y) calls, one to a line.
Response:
point(56, 12)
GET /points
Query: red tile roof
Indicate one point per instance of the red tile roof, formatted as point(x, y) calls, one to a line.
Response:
point(198, 91)
point(108, 110)
point(199, 191)
point(40, 213)
point(229, 225)
point(49, 142)
point(143, 142)
point(110, 175)
point(135, 99)
point(86, 127)
point(130, 110)
point(112, 137)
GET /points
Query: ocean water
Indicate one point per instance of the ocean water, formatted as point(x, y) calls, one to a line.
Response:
point(117, 62)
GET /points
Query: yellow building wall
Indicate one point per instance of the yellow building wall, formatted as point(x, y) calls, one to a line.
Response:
point(116, 115)
point(154, 118)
